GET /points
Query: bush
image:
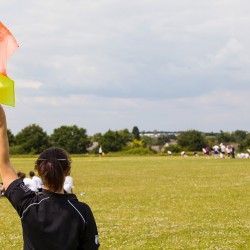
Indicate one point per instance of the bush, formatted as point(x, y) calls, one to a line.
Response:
point(192, 140)
point(15, 150)
point(245, 144)
point(174, 149)
point(135, 144)
point(139, 151)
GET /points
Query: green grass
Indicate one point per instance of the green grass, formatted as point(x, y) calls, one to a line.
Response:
point(156, 202)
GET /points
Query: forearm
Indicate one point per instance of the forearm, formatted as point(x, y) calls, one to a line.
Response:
point(4, 144)
point(7, 173)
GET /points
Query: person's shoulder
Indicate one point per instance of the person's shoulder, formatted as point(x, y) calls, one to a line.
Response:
point(80, 204)
point(14, 184)
point(17, 192)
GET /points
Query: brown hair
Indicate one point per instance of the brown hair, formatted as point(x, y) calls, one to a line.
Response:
point(52, 166)
point(21, 175)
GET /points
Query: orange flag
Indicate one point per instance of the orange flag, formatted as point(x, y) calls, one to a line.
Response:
point(8, 45)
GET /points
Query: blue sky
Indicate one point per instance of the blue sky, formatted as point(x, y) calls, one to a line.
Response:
point(105, 64)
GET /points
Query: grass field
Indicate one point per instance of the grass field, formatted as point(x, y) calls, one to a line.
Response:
point(156, 202)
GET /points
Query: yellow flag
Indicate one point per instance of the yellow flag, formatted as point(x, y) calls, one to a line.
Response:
point(8, 45)
point(7, 95)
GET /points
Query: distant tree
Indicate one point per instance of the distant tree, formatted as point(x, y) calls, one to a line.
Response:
point(32, 139)
point(210, 134)
point(172, 137)
point(71, 138)
point(126, 136)
point(112, 141)
point(245, 144)
point(193, 140)
point(239, 135)
point(162, 140)
point(96, 137)
point(211, 141)
point(11, 138)
point(136, 133)
point(147, 141)
point(173, 149)
point(224, 137)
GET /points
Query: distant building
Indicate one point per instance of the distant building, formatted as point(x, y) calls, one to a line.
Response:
point(156, 134)
point(93, 146)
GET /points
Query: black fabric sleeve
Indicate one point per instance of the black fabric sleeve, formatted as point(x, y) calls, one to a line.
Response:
point(19, 195)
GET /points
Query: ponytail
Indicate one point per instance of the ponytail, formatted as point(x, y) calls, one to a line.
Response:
point(52, 166)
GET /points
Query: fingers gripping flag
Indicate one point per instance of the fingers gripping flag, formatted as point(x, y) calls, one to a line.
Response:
point(8, 45)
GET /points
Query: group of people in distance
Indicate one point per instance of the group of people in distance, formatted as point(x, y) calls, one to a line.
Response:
point(245, 155)
point(220, 151)
point(35, 183)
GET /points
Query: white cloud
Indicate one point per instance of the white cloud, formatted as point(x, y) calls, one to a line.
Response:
point(232, 53)
point(105, 64)
point(27, 84)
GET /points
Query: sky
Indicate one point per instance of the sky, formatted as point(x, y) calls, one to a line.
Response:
point(166, 65)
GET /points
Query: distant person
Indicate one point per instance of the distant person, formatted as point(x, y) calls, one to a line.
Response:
point(196, 154)
point(243, 155)
point(37, 180)
point(100, 151)
point(50, 219)
point(27, 181)
point(222, 150)
point(206, 152)
point(30, 183)
point(2, 189)
point(215, 151)
point(183, 154)
point(20, 174)
point(68, 184)
point(228, 151)
point(222, 156)
point(232, 151)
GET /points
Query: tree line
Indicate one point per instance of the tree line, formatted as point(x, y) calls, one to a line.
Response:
point(33, 140)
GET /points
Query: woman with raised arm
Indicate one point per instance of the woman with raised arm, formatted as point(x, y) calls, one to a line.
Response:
point(51, 219)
